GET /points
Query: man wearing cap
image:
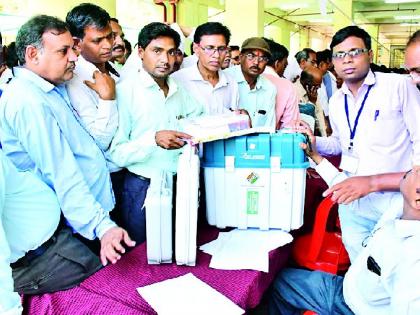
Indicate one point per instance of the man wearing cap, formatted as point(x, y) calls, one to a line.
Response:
point(257, 95)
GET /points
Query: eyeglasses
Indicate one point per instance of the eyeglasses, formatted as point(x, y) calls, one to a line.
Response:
point(252, 57)
point(351, 53)
point(211, 50)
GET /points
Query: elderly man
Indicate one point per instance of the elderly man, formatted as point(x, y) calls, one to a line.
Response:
point(412, 57)
point(306, 57)
point(205, 80)
point(287, 109)
point(40, 133)
point(118, 48)
point(257, 95)
point(375, 128)
point(150, 104)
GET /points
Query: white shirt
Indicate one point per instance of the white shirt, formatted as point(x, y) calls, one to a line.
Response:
point(322, 93)
point(216, 100)
point(387, 138)
point(100, 117)
point(395, 248)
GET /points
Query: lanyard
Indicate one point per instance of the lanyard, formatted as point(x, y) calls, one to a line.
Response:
point(356, 121)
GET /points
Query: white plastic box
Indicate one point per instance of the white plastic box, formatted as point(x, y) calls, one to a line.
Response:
point(255, 181)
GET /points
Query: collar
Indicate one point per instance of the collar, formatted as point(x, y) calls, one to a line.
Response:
point(407, 228)
point(88, 68)
point(146, 80)
point(196, 76)
point(370, 79)
point(240, 78)
point(270, 70)
point(28, 75)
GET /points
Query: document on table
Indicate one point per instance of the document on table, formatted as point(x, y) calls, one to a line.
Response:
point(187, 295)
point(245, 249)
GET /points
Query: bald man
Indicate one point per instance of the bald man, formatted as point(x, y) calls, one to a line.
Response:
point(307, 86)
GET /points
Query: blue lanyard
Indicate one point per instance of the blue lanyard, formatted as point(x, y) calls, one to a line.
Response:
point(356, 121)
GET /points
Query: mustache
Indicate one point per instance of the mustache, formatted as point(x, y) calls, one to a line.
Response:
point(118, 47)
point(255, 68)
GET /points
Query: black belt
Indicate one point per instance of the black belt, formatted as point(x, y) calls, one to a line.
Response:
point(32, 254)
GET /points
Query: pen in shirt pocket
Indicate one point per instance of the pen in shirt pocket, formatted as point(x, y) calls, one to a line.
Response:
point(376, 115)
point(262, 112)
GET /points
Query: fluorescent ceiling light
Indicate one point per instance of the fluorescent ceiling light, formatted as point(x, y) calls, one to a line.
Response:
point(293, 6)
point(400, 1)
point(407, 17)
point(410, 24)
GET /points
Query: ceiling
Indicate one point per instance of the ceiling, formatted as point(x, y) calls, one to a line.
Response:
point(396, 21)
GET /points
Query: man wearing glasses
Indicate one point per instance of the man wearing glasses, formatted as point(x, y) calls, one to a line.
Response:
point(257, 95)
point(375, 128)
point(217, 91)
point(412, 57)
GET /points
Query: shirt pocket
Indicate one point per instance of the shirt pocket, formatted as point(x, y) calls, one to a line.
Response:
point(372, 289)
point(260, 118)
point(384, 127)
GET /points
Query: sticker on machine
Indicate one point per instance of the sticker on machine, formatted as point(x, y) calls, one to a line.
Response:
point(252, 200)
point(252, 178)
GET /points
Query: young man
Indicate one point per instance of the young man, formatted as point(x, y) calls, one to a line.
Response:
point(150, 106)
point(206, 82)
point(412, 57)
point(39, 133)
point(92, 89)
point(257, 95)
point(374, 119)
point(287, 109)
point(382, 280)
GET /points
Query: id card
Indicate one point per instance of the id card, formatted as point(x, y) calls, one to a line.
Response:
point(349, 163)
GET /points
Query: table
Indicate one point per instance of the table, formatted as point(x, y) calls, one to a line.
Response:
point(112, 290)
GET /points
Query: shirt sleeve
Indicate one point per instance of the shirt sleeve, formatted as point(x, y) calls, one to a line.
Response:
point(100, 117)
point(126, 150)
point(329, 173)
point(41, 136)
point(9, 300)
point(410, 97)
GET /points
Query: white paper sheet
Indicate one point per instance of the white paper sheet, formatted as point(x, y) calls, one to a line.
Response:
point(245, 249)
point(187, 295)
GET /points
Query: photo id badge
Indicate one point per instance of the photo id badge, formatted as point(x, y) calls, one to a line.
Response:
point(349, 163)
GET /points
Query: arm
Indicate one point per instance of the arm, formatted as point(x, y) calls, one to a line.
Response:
point(41, 137)
point(9, 300)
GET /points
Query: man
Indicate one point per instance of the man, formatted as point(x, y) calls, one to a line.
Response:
point(374, 121)
point(234, 55)
point(226, 61)
point(382, 280)
point(40, 133)
point(118, 48)
point(150, 105)
point(412, 57)
point(31, 237)
point(287, 109)
point(205, 81)
point(306, 57)
point(329, 82)
point(92, 89)
point(257, 95)
point(307, 88)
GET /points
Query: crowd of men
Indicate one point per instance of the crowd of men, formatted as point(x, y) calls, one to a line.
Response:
point(84, 131)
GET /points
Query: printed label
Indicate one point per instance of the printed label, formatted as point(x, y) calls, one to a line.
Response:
point(252, 202)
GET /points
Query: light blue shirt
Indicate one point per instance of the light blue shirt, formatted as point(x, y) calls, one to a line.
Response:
point(29, 215)
point(260, 102)
point(39, 132)
point(144, 110)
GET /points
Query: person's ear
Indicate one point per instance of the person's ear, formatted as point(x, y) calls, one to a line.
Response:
point(141, 52)
point(77, 43)
point(32, 55)
point(370, 53)
point(196, 47)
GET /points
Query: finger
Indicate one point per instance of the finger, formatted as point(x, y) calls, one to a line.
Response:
point(95, 74)
point(90, 84)
point(180, 134)
point(127, 240)
point(104, 261)
point(116, 243)
point(111, 254)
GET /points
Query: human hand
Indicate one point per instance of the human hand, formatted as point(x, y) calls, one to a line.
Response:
point(103, 84)
point(312, 92)
point(171, 139)
point(244, 112)
point(309, 147)
point(350, 189)
point(111, 248)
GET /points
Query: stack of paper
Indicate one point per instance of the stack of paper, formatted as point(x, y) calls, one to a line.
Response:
point(187, 295)
point(245, 249)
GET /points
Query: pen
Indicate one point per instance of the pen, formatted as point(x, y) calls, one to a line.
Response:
point(376, 114)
